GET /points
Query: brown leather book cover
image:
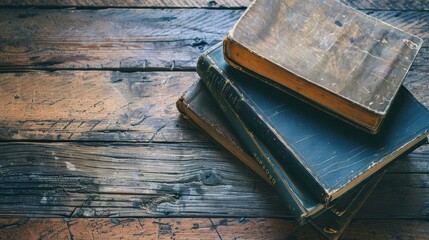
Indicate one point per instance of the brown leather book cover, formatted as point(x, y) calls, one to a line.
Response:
point(348, 62)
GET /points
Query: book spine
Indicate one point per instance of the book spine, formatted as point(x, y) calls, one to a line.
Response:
point(295, 94)
point(218, 83)
point(275, 173)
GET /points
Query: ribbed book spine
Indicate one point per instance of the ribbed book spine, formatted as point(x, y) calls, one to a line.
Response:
point(234, 106)
point(278, 178)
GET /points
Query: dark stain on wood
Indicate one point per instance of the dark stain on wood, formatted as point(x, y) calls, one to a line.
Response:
point(27, 15)
point(116, 221)
point(223, 222)
point(210, 177)
point(164, 228)
point(48, 63)
point(212, 4)
point(199, 43)
point(338, 23)
point(33, 58)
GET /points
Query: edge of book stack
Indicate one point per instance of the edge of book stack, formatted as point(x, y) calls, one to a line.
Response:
point(309, 95)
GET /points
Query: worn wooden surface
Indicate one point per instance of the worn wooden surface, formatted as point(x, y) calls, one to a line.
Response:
point(93, 105)
point(167, 179)
point(106, 105)
point(204, 228)
point(415, 5)
point(135, 39)
point(88, 128)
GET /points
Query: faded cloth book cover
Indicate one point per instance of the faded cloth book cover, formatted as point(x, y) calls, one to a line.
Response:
point(349, 63)
point(198, 106)
point(328, 155)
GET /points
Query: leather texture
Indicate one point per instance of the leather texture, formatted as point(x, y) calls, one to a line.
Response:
point(331, 157)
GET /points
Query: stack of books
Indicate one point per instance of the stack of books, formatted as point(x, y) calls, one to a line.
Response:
point(309, 95)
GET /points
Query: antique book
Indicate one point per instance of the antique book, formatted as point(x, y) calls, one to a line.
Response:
point(198, 106)
point(351, 64)
point(341, 156)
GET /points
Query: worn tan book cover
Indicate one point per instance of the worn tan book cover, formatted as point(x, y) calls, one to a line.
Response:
point(349, 63)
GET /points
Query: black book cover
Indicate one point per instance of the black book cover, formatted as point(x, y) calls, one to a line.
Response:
point(330, 156)
point(198, 106)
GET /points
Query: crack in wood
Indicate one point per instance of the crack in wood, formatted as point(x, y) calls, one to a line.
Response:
point(214, 227)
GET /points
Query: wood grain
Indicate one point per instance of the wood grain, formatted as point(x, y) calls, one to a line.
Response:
point(99, 106)
point(204, 228)
point(388, 5)
point(130, 3)
point(175, 170)
point(360, 4)
point(121, 39)
point(134, 180)
point(90, 180)
point(134, 39)
point(109, 106)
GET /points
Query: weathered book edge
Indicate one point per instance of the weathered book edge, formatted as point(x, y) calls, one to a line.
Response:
point(339, 221)
point(277, 85)
point(372, 129)
point(344, 211)
point(236, 150)
point(326, 109)
point(261, 154)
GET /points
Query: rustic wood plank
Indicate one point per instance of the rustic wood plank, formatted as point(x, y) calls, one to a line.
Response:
point(416, 81)
point(129, 3)
point(120, 39)
point(100, 106)
point(204, 228)
point(388, 4)
point(415, 162)
point(134, 38)
point(359, 4)
point(402, 188)
point(114, 180)
point(134, 180)
point(83, 180)
point(387, 229)
point(109, 106)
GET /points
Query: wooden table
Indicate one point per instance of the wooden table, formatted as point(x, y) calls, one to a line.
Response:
point(92, 145)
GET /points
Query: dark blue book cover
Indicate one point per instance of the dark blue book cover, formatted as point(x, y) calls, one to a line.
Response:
point(328, 155)
point(227, 129)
